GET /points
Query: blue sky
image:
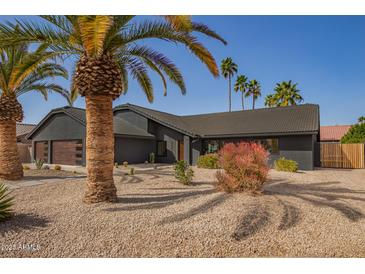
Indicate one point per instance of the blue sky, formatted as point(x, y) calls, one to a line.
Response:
point(325, 55)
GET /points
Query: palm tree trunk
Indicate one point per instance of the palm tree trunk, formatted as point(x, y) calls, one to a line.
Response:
point(10, 166)
point(99, 149)
point(242, 97)
point(253, 102)
point(229, 91)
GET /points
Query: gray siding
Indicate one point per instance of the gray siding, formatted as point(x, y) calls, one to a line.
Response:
point(60, 127)
point(299, 149)
point(133, 118)
point(171, 137)
point(196, 150)
point(133, 150)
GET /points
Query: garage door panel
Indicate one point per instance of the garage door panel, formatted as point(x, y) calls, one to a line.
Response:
point(67, 152)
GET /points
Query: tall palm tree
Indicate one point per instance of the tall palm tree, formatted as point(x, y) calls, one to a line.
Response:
point(21, 71)
point(254, 90)
point(361, 119)
point(286, 94)
point(107, 50)
point(242, 86)
point(228, 69)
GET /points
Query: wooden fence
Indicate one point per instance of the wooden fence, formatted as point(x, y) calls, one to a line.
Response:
point(342, 155)
point(24, 152)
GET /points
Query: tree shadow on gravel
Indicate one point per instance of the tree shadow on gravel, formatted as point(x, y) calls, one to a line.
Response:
point(209, 205)
point(161, 200)
point(324, 194)
point(21, 222)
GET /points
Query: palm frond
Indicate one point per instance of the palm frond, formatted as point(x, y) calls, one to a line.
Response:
point(139, 72)
point(207, 31)
point(180, 22)
point(93, 30)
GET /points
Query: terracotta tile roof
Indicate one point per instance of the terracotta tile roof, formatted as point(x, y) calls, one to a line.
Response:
point(333, 133)
point(22, 129)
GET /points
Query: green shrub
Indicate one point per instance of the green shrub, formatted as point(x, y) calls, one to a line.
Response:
point(39, 163)
point(356, 134)
point(208, 161)
point(151, 158)
point(183, 172)
point(116, 165)
point(25, 167)
point(6, 202)
point(131, 171)
point(283, 164)
point(57, 167)
point(46, 167)
point(125, 164)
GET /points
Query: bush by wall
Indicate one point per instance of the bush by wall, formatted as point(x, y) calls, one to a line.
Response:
point(355, 135)
point(208, 161)
point(283, 164)
point(183, 172)
point(245, 167)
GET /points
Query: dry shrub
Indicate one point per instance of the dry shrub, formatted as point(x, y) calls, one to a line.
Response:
point(245, 167)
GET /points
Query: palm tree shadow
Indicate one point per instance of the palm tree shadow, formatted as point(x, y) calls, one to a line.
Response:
point(159, 200)
point(324, 194)
point(209, 205)
point(21, 222)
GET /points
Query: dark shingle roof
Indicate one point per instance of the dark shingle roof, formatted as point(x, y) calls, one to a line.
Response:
point(265, 121)
point(291, 120)
point(123, 127)
point(300, 119)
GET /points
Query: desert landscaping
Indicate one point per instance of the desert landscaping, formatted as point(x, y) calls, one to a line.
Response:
point(316, 213)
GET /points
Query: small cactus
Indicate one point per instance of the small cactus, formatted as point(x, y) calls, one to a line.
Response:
point(116, 165)
point(131, 171)
point(125, 164)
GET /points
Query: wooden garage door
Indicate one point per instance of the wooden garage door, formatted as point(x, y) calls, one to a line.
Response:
point(41, 151)
point(67, 152)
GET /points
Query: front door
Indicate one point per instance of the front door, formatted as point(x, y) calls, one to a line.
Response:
point(181, 151)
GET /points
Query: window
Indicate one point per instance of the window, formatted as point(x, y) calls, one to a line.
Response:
point(271, 145)
point(161, 148)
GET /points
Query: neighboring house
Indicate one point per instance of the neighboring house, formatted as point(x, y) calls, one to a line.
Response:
point(333, 133)
point(285, 131)
point(24, 145)
point(22, 130)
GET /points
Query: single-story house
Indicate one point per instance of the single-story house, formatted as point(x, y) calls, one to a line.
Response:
point(333, 134)
point(285, 131)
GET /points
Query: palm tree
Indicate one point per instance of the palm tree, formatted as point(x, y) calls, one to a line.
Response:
point(270, 100)
point(361, 119)
point(254, 90)
point(286, 94)
point(21, 71)
point(71, 97)
point(107, 50)
point(228, 69)
point(242, 86)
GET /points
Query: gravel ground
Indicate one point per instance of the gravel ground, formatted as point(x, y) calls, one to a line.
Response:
point(308, 214)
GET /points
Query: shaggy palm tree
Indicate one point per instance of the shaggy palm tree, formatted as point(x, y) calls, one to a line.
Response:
point(107, 51)
point(242, 86)
point(361, 119)
point(286, 94)
point(254, 90)
point(21, 71)
point(270, 100)
point(228, 69)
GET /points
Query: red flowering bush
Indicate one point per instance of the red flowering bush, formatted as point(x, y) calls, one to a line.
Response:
point(244, 167)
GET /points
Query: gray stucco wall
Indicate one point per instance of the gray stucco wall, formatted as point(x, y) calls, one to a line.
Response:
point(299, 148)
point(171, 137)
point(133, 150)
point(60, 127)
